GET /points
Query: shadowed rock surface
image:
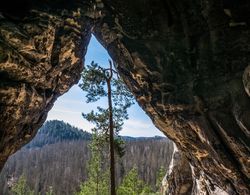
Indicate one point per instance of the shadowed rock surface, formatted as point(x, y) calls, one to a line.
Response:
point(178, 179)
point(186, 62)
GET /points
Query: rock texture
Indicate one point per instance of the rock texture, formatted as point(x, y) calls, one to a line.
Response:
point(178, 180)
point(186, 62)
point(41, 56)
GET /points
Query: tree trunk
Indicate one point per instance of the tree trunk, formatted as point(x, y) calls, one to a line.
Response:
point(111, 141)
point(97, 183)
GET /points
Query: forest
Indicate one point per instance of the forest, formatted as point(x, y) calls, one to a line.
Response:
point(57, 158)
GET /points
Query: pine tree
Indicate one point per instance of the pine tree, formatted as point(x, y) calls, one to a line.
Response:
point(160, 175)
point(97, 182)
point(132, 185)
point(21, 187)
point(100, 82)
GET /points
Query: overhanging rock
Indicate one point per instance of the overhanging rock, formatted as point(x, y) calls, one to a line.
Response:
point(185, 62)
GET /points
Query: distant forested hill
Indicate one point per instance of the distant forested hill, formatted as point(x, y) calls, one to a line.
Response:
point(58, 156)
point(57, 131)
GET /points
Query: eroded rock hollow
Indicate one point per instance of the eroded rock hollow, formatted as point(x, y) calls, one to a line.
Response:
point(187, 63)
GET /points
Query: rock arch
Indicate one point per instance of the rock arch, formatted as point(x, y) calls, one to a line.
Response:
point(183, 60)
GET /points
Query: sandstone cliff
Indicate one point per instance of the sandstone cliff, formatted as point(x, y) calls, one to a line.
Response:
point(186, 62)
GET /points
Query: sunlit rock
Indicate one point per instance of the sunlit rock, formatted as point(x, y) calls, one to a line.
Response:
point(185, 62)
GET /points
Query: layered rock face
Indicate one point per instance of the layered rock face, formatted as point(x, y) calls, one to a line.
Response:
point(41, 54)
point(186, 62)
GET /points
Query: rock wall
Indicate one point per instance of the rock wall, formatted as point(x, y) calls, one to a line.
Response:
point(41, 57)
point(185, 61)
point(178, 180)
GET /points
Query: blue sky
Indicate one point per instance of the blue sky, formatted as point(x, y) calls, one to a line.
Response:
point(70, 106)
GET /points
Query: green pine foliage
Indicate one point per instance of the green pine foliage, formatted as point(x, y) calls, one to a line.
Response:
point(21, 187)
point(160, 175)
point(99, 82)
point(133, 185)
point(98, 179)
point(94, 84)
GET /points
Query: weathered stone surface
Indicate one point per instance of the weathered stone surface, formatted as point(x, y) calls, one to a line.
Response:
point(40, 59)
point(186, 72)
point(178, 179)
point(246, 80)
point(185, 62)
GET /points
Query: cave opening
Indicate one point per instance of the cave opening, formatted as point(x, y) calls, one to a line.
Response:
point(41, 161)
point(69, 106)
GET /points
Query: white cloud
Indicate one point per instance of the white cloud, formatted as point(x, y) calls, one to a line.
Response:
point(132, 127)
point(137, 123)
point(71, 117)
point(65, 111)
point(138, 128)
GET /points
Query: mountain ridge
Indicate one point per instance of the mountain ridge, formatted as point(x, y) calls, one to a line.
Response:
point(55, 131)
point(59, 154)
